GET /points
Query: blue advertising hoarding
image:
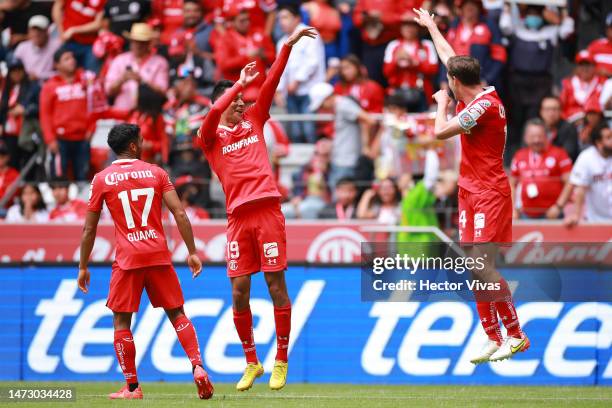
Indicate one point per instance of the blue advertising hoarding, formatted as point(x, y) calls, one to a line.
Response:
point(51, 331)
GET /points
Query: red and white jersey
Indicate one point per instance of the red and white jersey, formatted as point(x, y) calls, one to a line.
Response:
point(601, 50)
point(73, 210)
point(258, 10)
point(79, 12)
point(482, 143)
point(370, 94)
point(539, 176)
point(238, 155)
point(132, 190)
point(576, 94)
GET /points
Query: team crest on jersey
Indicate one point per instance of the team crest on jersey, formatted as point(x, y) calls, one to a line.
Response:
point(550, 162)
point(233, 265)
point(246, 125)
point(485, 103)
point(502, 111)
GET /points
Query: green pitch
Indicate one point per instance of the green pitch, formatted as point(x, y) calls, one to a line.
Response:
point(166, 395)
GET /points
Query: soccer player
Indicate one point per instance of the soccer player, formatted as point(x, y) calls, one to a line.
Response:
point(133, 191)
point(232, 139)
point(485, 205)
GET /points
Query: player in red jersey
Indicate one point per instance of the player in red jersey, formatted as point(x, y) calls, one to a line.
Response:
point(485, 204)
point(133, 191)
point(232, 138)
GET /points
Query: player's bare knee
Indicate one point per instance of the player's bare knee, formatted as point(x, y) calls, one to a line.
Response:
point(122, 320)
point(175, 313)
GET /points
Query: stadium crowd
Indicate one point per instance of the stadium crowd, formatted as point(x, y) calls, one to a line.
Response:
point(68, 64)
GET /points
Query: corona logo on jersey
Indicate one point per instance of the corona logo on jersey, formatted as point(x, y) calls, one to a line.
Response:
point(114, 178)
point(61, 334)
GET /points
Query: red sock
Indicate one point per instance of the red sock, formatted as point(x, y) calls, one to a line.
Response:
point(507, 311)
point(188, 339)
point(243, 320)
point(282, 318)
point(488, 320)
point(126, 354)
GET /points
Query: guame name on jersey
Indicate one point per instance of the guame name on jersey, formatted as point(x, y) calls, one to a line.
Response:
point(141, 235)
point(240, 144)
point(112, 179)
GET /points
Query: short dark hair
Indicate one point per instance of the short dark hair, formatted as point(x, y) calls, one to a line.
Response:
point(196, 2)
point(120, 137)
point(597, 133)
point(466, 69)
point(57, 55)
point(59, 182)
point(535, 122)
point(291, 8)
point(549, 96)
point(346, 181)
point(220, 88)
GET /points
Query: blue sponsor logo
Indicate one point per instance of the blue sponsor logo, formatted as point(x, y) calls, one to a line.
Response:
point(51, 331)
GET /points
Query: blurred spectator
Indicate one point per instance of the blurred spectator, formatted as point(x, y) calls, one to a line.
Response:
point(277, 144)
point(189, 48)
point(533, 38)
point(239, 45)
point(605, 99)
point(189, 194)
point(30, 208)
point(310, 188)
point(65, 210)
point(601, 50)
point(78, 22)
point(326, 19)
point(591, 181)
point(185, 112)
point(410, 62)
point(107, 47)
point(392, 139)
point(593, 117)
point(169, 13)
point(262, 13)
point(148, 116)
point(64, 117)
point(344, 208)
point(19, 101)
point(352, 123)
point(305, 68)
point(378, 21)
point(36, 52)
point(559, 132)
point(15, 15)
point(119, 15)
point(473, 34)
point(7, 173)
point(578, 89)
point(187, 163)
point(381, 203)
point(137, 67)
point(539, 172)
point(354, 82)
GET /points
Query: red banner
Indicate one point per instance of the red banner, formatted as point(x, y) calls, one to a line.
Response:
point(327, 242)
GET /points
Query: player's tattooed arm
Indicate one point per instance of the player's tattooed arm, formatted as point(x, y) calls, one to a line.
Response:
point(87, 242)
point(184, 226)
point(443, 127)
point(443, 48)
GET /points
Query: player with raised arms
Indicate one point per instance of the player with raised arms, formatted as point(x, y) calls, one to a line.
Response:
point(133, 191)
point(485, 204)
point(233, 142)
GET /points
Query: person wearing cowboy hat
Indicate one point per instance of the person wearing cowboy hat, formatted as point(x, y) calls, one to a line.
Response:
point(139, 66)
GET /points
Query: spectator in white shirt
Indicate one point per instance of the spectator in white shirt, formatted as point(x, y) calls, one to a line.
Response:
point(306, 67)
point(37, 52)
point(31, 207)
point(591, 181)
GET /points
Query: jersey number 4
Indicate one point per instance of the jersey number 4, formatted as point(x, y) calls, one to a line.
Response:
point(149, 192)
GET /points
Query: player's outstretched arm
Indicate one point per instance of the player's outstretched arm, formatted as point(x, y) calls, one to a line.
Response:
point(87, 242)
point(268, 88)
point(444, 128)
point(182, 222)
point(443, 48)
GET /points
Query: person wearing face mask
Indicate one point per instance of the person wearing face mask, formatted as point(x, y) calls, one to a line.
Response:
point(534, 33)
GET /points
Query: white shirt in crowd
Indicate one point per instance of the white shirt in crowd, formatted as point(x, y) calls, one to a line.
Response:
point(594, 172)
point(14, 215)
point(306, 64)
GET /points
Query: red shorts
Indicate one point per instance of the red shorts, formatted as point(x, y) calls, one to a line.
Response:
point(256, 238)
point(485, 217)
point(161, 283)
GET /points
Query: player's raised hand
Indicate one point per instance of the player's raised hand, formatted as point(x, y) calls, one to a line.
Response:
point(300, 32)
point(83, 279)
point(195, 265)
point(423, 18)
point(248, 74)
point(441, 97)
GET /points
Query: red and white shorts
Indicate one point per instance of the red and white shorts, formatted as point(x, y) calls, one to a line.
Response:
point(256, 238)
point(161, 283)
point(485, 217)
